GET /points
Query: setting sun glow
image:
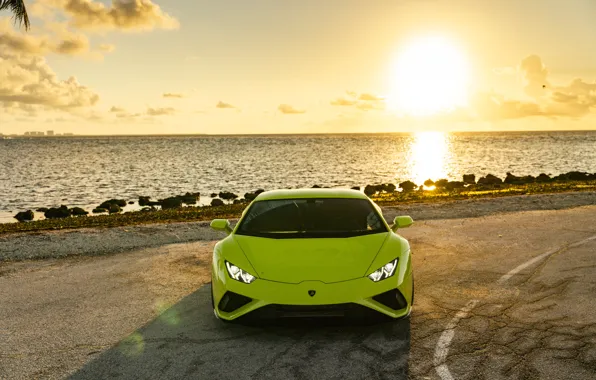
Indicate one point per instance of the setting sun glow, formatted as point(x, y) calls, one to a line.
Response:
point(430, 76)
point(428, 156)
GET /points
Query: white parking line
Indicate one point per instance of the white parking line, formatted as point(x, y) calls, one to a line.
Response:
point(442, 347)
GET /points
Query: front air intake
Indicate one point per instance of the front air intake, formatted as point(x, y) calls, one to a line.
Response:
point(392, 298)
point(232, 301)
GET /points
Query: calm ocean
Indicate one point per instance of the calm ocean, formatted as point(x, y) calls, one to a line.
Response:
point(83, 171)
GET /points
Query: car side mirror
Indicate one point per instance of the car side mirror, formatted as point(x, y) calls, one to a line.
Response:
point(401, 222)
point(221, 225)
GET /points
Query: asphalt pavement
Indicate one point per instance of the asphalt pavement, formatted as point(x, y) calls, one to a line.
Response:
point(504, 296)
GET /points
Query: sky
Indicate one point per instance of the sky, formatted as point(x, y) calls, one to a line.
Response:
point(309, 66)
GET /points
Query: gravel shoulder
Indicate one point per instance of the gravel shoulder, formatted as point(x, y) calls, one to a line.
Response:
point(103, 241)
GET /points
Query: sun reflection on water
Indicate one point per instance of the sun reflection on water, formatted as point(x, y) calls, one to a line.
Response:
point(429, 153)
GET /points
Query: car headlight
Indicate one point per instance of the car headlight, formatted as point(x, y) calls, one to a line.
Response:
point(384, 272)
point(239, 274)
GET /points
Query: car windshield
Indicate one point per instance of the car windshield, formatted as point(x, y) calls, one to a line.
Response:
point(311, 218)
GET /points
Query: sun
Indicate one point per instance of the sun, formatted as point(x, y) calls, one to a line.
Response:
point(430, 75)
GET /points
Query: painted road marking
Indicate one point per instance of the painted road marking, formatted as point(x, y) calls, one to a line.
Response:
point(442, 347)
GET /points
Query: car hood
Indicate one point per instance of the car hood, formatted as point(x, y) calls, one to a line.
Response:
point(323, 259)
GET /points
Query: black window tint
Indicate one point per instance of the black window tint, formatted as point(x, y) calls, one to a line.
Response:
point(311, 218)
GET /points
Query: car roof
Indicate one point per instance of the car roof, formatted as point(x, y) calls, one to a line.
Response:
point(310, 193)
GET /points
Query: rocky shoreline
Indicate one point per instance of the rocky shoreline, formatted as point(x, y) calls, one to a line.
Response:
point(469, 183)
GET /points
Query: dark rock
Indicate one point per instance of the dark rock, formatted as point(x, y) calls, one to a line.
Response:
point(441, 184)
point(543, 178)
point(153, 203)
point(452, 185)
point(237, 201)
point(217, 202)
point(99, 210)
point(77, 211)
point(57, 213)
point(170, 203)
point(356, 188)
point(387, 187)
point(490, 180)
point(370, 190)
point(512, 179)
point(42, 209)
point(408, 186)
point(114, 208)
point(429, 182)
point(469, 179)
point(117, 202)
point(144, 201)
point(213, 195)
point(227, 195)
point(189, 198)
point(24, 216)
point(250, 196)
point(259, 191)
point(577, 176)
point(316, 187)
point(131, 202)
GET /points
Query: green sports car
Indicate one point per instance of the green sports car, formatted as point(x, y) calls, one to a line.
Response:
point(311, 253)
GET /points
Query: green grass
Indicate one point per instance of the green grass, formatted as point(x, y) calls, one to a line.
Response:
point(191, 214)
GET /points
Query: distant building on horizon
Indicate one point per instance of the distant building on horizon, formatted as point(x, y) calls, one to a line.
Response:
point(50, 133)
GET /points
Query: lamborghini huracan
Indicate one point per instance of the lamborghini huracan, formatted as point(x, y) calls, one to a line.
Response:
point(311, 253)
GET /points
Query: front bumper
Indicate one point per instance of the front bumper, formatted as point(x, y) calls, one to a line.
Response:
point(278, 299)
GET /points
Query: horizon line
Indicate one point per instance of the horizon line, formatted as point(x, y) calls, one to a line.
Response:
point(290, 134)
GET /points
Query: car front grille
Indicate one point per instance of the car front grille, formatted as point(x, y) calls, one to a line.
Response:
point(313, 311)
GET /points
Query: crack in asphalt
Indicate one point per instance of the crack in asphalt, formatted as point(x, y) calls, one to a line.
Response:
point(523, 348)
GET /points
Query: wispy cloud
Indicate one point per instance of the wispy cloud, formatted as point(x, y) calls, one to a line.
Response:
point(115, 109)
point(173, 95)
point(221, 104)
point(369, 97)
point(289, 110)
point(343, 102)
point(160, 111)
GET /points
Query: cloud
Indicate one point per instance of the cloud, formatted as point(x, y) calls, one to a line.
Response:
point(127, 15)
point(115, 109)
point(107, 48)
point(369, 97)
point(289, 110)
point(160, 111)
point(535, 75)
point(173, 95)
point(73, 46)
point(28, 80)
point(370, 106)
point(221, 104)
point(492, 106)
point(57, 39)
point(363, 102)
point(343, 102)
